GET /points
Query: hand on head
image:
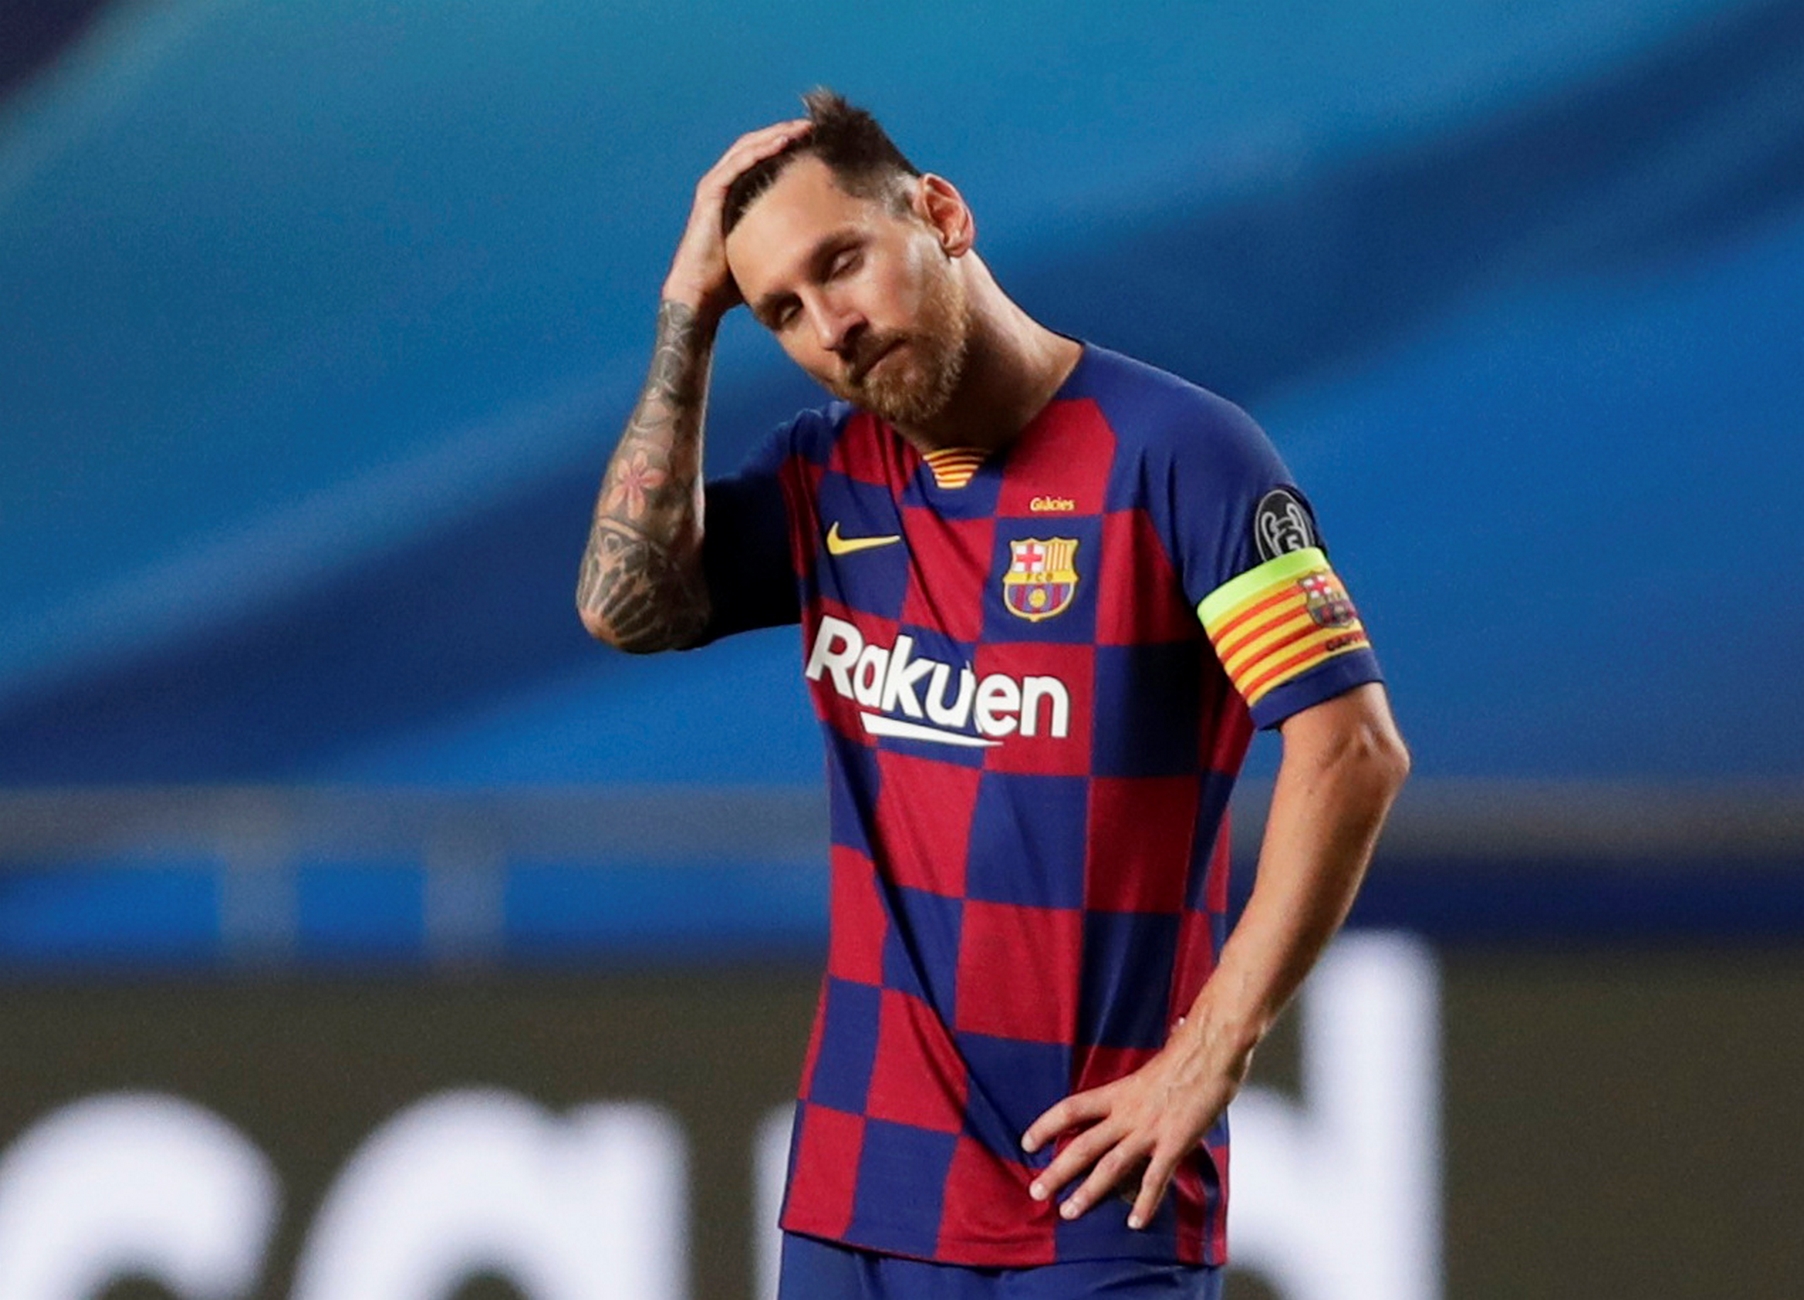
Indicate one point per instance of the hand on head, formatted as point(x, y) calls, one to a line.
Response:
point(698, 273)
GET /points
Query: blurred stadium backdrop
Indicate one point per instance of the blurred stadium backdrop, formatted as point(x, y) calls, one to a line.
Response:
point(368, 934)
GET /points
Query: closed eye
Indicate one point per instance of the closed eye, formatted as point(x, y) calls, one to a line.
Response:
point(832, 261)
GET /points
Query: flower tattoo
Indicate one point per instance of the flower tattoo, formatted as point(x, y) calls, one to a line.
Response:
point(633, 482)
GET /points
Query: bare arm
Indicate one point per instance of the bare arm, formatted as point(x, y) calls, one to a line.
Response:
point(1343, 765)
point(640, 587)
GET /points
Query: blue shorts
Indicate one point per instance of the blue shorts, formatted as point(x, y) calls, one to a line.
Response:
point(821, 1270)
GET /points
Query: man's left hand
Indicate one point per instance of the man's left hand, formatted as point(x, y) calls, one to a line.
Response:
point(1144, 1123)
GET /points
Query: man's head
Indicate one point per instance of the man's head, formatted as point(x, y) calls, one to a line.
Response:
point(847, 253)
point(863, 159)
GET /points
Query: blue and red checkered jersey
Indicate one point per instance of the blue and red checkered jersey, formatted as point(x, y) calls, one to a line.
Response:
point(1038, 673)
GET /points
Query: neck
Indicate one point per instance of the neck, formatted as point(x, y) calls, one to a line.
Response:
point(1013, 366)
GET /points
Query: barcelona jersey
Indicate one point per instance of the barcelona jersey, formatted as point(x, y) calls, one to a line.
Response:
point(1038, 672)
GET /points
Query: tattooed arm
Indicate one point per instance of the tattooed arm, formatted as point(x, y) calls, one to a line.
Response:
point(641, 585)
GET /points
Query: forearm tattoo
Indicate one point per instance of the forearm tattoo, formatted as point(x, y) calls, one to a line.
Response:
point(641, 583)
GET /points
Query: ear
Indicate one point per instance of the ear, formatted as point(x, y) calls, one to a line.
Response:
point(938, 203)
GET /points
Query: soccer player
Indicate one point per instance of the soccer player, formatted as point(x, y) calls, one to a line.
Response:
point(1046, 595)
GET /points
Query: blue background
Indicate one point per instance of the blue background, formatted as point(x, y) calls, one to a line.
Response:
point(320, 319)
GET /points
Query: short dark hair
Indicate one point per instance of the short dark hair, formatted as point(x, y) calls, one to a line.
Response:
point(864, 160)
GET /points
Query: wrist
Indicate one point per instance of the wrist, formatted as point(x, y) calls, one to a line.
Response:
point(708, 307)
point(1221, 1031)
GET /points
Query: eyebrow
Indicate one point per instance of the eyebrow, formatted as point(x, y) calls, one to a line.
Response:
point(824, 251)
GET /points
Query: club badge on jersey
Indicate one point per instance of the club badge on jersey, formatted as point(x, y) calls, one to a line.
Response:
point(1042, 577)
point(1325, 601)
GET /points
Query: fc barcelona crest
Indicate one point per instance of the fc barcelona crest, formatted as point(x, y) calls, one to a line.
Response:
point(1326, 603)
point(1041, 577)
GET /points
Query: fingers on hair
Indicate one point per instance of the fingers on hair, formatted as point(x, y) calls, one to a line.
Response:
point(864, 160)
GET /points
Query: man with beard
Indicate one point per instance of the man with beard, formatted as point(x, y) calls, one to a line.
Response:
point(1047, 594)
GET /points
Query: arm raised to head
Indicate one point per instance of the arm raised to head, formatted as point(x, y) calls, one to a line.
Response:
point(640, 587)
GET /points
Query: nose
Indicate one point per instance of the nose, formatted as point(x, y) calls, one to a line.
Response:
point(836, 324)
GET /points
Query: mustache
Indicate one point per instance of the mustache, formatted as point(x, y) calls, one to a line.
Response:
point(867, 354)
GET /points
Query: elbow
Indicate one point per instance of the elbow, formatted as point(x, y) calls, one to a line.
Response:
point(641, 608)
point(593, 623)
point(1351, 743)
point(603, 630)
point(608, 634)
point(1361, 773)
point(643, 632)
point(1391, 759)
point(1378, 759)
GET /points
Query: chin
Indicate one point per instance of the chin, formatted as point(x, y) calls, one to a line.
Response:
point(906, 393)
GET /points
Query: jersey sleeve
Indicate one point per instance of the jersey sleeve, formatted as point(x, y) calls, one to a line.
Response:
point(1255, 569)
point(745, 544)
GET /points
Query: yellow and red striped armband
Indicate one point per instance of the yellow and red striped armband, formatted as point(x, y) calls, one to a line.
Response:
point(1274, 623)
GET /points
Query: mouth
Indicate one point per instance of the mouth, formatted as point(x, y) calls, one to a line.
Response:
point(856, 377)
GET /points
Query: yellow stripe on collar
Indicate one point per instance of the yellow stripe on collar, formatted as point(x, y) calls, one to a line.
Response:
point(953, 466)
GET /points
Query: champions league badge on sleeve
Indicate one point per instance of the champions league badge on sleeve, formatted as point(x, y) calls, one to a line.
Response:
point(1041, 578)
point(1282, 524)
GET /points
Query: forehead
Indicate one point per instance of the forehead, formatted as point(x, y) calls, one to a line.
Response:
point(788, 221)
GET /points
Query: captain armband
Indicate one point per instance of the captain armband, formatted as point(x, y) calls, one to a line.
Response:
point(1274, 623)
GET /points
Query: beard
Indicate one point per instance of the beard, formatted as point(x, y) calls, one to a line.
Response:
point(911, 387)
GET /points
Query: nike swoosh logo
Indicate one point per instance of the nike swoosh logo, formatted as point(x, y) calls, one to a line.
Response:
point(837, 545)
